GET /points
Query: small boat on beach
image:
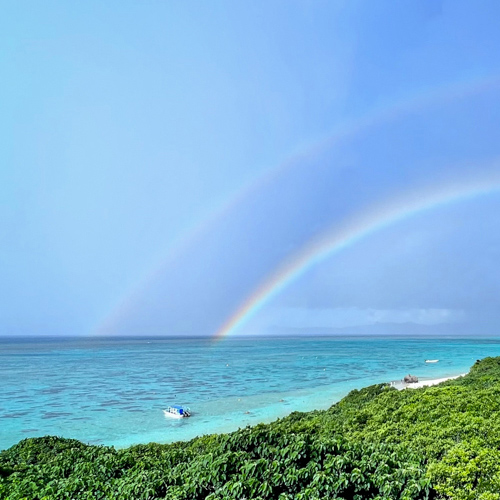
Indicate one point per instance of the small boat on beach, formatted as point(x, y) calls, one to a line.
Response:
point(431, 360)
point(177, 411)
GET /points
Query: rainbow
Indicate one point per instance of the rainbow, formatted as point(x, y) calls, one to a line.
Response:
point(358, 228)
point(375, 117)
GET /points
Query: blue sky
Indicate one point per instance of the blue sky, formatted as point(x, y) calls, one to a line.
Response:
point(140, 143)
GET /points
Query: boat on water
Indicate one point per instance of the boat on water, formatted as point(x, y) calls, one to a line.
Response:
point(177, 411)
point(431, 360)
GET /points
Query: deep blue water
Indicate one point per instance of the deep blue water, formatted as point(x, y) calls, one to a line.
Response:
point(112, 391)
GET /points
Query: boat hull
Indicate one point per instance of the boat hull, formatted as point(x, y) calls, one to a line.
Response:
point(172, 415)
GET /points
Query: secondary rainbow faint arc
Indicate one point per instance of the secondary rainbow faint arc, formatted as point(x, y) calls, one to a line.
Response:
point(357, 229)
point(447, 92)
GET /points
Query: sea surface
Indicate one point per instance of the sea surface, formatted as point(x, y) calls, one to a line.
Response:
point(112, 391)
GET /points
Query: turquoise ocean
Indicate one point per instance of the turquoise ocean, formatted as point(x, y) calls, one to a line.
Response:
point(112, 391)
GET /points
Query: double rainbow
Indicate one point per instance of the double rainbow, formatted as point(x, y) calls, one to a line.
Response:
point(390, 111)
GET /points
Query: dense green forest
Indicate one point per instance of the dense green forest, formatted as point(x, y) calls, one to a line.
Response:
point(378, 443)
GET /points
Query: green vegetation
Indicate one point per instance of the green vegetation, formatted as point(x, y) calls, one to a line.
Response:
point(377, 443)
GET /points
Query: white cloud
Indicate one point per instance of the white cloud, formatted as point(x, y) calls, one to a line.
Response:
point(301, 317)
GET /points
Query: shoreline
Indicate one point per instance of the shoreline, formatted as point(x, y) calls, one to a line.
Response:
point(259, 409)
point(229, 387)
point(241, 412)
point(400, 385)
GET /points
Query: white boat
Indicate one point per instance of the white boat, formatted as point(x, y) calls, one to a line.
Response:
point(177, 411)
point(431, 360)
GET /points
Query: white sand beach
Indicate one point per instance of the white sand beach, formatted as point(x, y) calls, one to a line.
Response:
point(434, 381)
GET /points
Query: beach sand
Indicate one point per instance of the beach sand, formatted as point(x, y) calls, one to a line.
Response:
point(434, 381)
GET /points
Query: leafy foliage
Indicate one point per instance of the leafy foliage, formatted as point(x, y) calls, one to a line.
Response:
point(377, 443)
